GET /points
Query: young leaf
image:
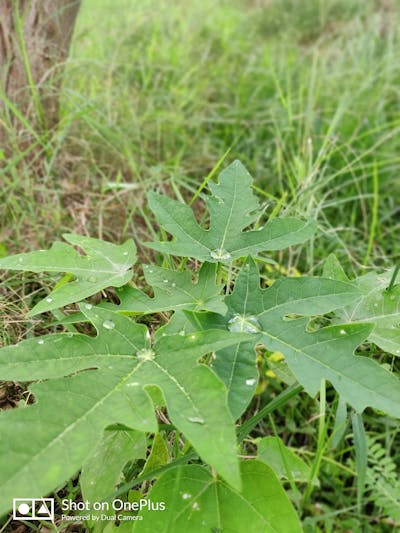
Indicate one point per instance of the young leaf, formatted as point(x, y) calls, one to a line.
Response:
point(378, 306)
point(44, 444)
point(174, 290)
point(333, 269)
point(285, 463)
point(159, 455)
point(233, 208)
point(199, 502)
point(104, 265)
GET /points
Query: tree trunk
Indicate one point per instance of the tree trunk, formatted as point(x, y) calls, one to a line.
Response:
point(35, 36)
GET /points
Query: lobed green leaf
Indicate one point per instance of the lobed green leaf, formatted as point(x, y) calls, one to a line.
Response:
point(232, 207)
point(104, 265)
point(44, 444)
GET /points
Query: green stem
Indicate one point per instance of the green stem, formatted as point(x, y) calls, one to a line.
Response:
point(282, 399)
point(150, 475)
point(320, 444)
point(394, 276)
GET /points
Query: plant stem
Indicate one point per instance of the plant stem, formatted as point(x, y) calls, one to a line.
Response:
point(320, 444)
point(282, 399)
point(150, 475)
point(394, 276)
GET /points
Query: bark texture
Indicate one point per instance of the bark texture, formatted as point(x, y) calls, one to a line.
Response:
point(35, 37)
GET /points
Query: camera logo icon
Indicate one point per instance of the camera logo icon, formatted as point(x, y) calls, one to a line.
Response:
point(33, 509)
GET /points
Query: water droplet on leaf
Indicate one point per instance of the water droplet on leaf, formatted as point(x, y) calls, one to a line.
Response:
point(195, 506)
point(41, 341)
point(196, 419)
point(92, 279)
point(246, 324)
point(220, 254)
point(342, 332)
point(186, 496)
point(108, 324)
point(49, 300)
point(145, 354)
point(251, 381)
point(88, 306)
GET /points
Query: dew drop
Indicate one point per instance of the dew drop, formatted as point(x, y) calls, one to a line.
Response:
point(196, 419)
point(151, 271)
point(182, 332)
point(125, 253)
point(92, 482)
point(108, 324)
point(165, 281)
point(250, 382)
point(193, 337)
point(49, 300)
point(186, 496)
point(70, 334)
point(88, 306)
point(41, 341)
point(246, 324)
point(173, 284)
point(195, 506)
point(92, 279)
point(133, 384)
point(342, 332)
point(145, 354)
point(220, 254)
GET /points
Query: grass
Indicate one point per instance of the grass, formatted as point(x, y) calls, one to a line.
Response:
point(155, 93)
point(305, 93)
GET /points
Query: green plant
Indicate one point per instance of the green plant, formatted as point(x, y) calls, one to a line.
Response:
point(97, 390)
